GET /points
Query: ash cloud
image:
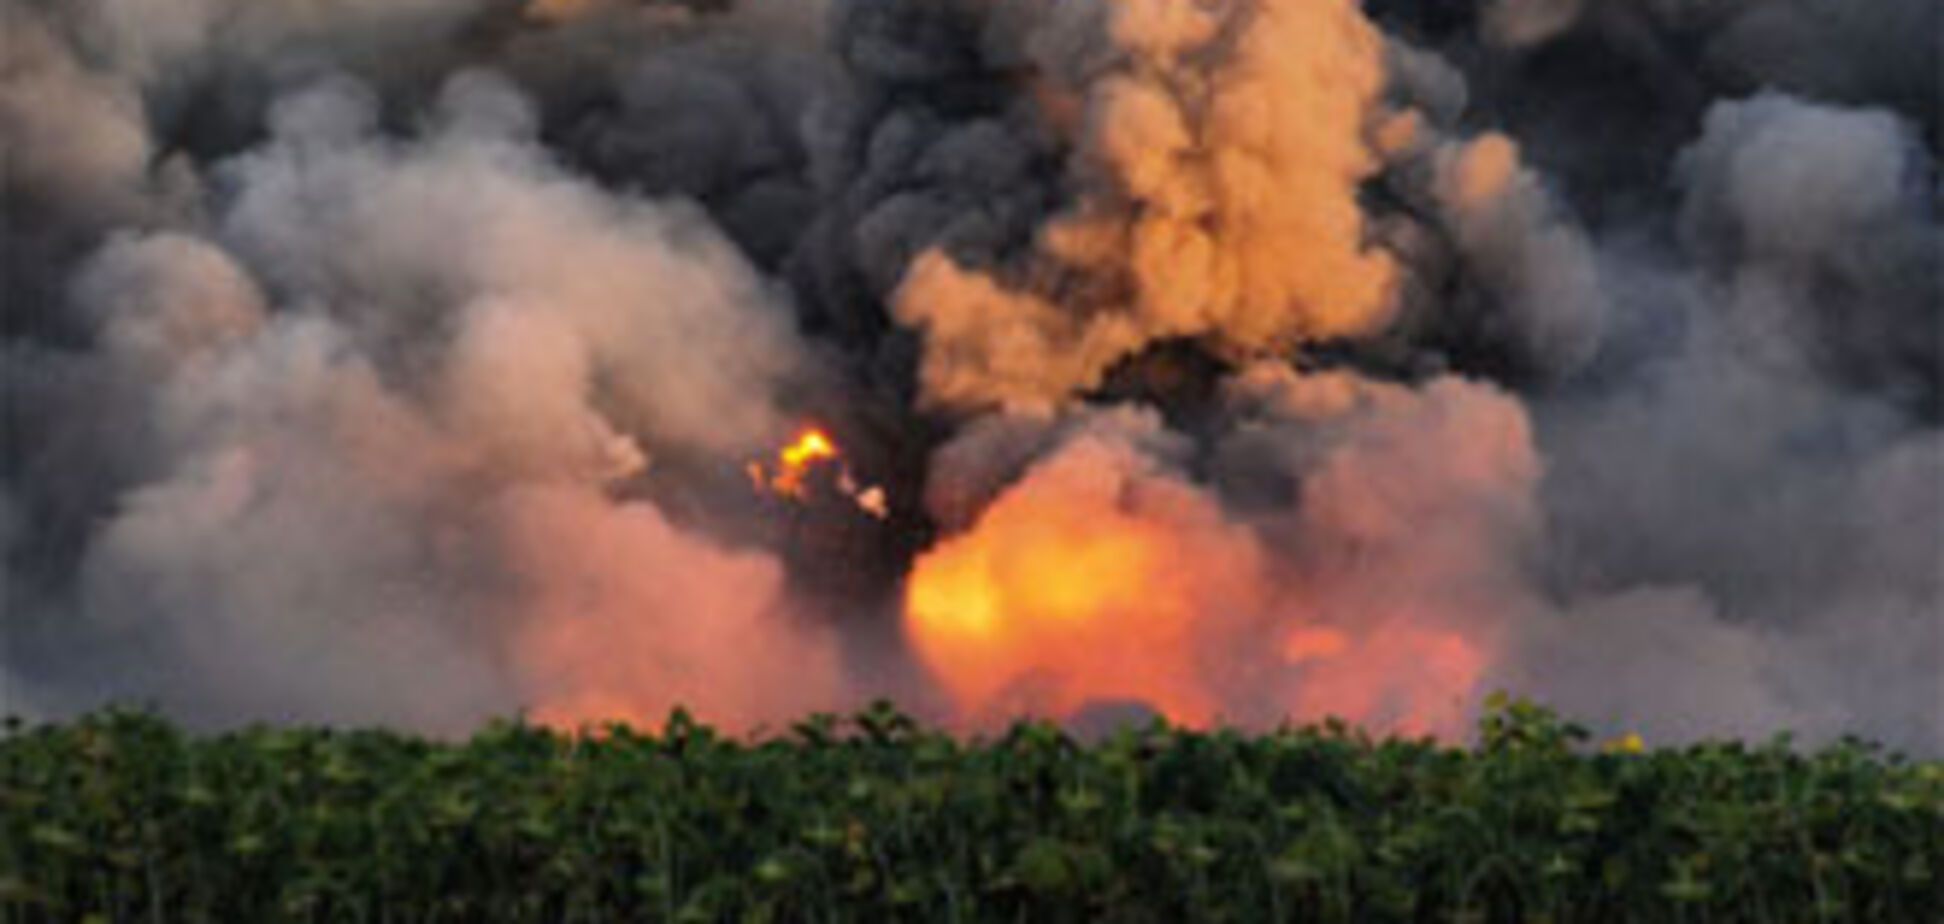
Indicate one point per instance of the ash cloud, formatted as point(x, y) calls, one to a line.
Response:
point(400, 362)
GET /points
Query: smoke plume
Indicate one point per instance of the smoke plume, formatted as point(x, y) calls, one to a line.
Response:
point(1237, 361)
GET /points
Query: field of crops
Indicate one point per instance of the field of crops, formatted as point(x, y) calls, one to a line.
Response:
point(122, 817)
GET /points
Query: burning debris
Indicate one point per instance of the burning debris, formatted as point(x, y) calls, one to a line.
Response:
point(813, 451)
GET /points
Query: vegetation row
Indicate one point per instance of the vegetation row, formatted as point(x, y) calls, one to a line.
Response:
point(122, 816)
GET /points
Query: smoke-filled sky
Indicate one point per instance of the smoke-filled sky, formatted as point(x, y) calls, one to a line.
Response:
point(1240, 361)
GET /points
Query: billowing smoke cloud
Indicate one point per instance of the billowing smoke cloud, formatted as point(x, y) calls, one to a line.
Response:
point(378, 394)
point(1210, 157)
point(1235, 361)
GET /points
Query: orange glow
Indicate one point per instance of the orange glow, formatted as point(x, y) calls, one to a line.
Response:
point(1401, 677)
point(601, 635)
point(1096, 580)
point(794, 463)
point(1061, 597)
point(1061, 614)
point(1311, 644)
point(814, 448)
point(809, 447)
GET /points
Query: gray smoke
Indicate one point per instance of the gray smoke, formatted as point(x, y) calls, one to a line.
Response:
point(401, 362)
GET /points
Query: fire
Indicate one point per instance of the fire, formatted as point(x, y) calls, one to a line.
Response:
point(812, 449)
point(795, 461)
point(1098, 579)
point(1062, 596)
point(812, 445)
point(1060, 618)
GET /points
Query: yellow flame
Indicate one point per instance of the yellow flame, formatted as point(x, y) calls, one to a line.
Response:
point(795, 461)
point(1054, 601)
point(811, 448)
point(812, 445)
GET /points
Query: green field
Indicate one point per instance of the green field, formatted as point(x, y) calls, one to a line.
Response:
point(121, 816)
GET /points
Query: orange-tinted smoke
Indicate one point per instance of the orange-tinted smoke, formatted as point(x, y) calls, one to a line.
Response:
point(1218, 151)
point(626, 617)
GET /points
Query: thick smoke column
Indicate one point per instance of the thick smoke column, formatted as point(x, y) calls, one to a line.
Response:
point(1240, 361)
point(1212, 156)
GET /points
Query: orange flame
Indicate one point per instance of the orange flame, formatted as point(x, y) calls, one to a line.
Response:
point(1048, 618)
point(1062, 596)
point(795, 461)
point(1093, 582)
point(1054, 620)
point(813, 448)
